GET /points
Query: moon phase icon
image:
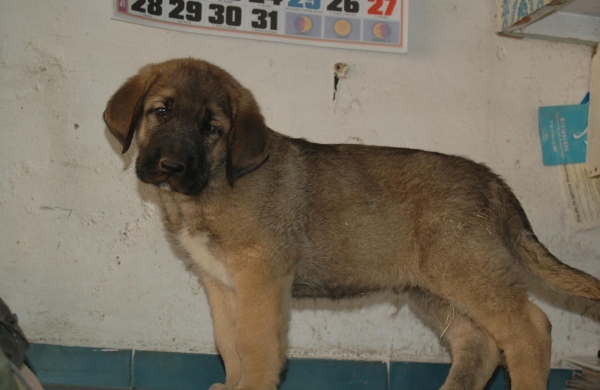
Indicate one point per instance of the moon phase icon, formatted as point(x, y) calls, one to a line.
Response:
point(381, 30)
point(303, 24)
point(342, 27)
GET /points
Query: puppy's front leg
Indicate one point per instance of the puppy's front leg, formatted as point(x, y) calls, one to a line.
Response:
point(262, 321)
point(223, 308)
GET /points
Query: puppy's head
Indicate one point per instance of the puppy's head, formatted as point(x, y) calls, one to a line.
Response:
point(191, 118)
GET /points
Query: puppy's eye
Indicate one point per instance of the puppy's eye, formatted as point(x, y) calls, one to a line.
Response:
point(161, 111)
point(211, 129)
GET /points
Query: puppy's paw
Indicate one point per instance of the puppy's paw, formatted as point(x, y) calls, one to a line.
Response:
point(219, 386)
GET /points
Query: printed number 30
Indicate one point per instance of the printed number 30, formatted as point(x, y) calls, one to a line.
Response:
point(232, 16)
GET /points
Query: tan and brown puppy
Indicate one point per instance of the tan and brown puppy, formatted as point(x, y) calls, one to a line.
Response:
point(283, 217)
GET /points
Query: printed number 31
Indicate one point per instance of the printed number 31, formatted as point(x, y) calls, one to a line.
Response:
point(262, 19)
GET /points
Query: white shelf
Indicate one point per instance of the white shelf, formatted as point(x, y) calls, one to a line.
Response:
point(576, 21)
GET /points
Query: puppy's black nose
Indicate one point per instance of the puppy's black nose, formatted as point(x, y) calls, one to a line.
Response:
point(171, 167)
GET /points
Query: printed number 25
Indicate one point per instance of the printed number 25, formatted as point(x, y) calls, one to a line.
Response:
point(310, 4)
point(376, 8)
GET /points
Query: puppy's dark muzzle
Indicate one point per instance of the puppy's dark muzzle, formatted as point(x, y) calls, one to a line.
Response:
point(171, 168)
point(179, 171)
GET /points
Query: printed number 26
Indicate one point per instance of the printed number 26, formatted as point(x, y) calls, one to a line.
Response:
point(350, 6)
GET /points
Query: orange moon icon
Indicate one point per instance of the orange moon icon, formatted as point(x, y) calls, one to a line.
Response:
point(303, 24)
point(342, 27)
point(381, 30)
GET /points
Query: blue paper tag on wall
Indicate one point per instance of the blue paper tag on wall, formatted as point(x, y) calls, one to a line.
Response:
point(563, 132)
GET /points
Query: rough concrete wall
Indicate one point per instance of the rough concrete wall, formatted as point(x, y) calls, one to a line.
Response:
point(84, 257)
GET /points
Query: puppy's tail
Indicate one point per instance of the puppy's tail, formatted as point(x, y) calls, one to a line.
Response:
point(531, 254)
point(538, 261)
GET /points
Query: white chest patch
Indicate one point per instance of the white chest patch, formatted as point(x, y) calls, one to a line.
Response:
point(196, 247)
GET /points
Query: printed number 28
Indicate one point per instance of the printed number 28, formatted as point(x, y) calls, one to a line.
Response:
point(154, 7)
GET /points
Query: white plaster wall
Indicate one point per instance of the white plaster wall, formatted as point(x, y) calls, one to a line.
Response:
point(84, 260)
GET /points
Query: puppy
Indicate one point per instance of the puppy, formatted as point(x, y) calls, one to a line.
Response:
point(284, 217)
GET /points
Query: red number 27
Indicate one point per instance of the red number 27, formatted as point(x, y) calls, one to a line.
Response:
point(375, 9)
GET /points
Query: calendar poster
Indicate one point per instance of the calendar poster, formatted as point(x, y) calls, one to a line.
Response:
point(374, 25)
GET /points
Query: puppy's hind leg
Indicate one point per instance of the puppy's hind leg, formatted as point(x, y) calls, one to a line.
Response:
point(475, 354)
point(519, 328)
point(527, 347)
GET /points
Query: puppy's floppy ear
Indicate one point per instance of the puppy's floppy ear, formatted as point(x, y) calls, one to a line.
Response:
point(248, 144)
point(124, 109)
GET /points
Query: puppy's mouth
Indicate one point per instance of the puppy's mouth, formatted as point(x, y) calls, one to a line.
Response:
point(187, 183)
point(170, 184)
point(166, 186)
point(174, 184)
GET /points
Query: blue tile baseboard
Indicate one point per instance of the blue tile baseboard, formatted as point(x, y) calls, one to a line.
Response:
point(176, 371)
point(431, 376)
point(303, 374)
point(81, 366)
point(63, 367)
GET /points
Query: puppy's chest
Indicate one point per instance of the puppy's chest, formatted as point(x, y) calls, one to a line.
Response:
point(190, 221)
point(197, 246)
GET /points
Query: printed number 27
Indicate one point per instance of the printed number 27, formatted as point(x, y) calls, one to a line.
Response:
point(376, 8)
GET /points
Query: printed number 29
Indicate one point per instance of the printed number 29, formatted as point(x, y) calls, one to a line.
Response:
point(154, 7)
point(193, 8)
